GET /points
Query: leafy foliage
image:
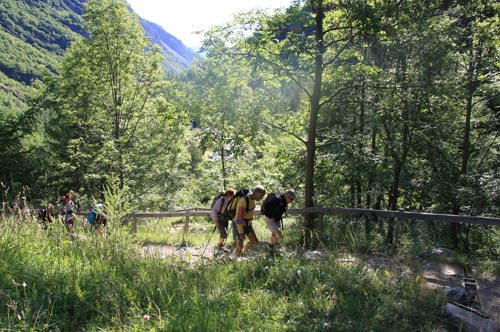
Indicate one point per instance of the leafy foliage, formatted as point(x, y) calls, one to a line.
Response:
point(106, 112)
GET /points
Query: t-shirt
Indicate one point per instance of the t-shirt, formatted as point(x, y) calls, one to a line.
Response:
point(219, 207)
point(247, 216)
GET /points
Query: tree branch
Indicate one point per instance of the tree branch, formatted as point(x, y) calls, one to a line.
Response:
point(286, 131)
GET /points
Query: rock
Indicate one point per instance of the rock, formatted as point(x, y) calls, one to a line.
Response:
point(455, 294)
point(442, 252)
point(467, 321)
point(314, 255)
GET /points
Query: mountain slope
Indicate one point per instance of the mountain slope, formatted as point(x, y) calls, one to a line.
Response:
point(175, 51)
point(35, 33)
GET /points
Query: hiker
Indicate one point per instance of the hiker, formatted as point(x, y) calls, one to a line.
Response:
point(47, 215)
point(242, 225)
point(67, 211)
point(97, 218)
point(24, 210)
point(273, 209)
point(220, 220)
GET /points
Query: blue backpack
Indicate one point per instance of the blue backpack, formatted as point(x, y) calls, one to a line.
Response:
point(93, 213)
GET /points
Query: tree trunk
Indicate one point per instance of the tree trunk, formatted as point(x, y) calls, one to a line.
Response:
point(399, 159)
point(313, 119)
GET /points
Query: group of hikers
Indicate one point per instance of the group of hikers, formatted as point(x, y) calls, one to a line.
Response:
point(96, 216)
point(66, 213)
point(235, 208)
point(238, 208)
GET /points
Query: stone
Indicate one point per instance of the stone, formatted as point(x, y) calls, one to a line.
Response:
point(467, 321)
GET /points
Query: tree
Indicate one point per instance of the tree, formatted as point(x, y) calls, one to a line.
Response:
point(474, 24)
point(111, 117)
point(301, 46)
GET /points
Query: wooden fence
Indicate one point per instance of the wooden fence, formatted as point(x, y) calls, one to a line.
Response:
point(321, 211)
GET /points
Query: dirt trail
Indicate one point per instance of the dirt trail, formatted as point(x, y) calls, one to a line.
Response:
point(185, 254)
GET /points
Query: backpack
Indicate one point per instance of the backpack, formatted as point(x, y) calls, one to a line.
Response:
point(93, 214)
point(265, 209)
point(215, 199)
point(230, 211)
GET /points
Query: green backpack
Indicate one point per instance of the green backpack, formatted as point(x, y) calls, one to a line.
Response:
point(230, 211)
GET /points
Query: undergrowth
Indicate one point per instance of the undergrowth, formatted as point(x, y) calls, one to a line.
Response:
point(51, 281)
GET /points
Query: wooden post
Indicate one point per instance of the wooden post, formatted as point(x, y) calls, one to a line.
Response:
point(397, 232)
point(186, 229)
point(134, 223)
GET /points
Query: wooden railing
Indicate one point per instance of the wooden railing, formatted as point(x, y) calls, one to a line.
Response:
point(320, 211)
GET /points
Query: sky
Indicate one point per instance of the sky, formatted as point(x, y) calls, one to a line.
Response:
point(182, 17)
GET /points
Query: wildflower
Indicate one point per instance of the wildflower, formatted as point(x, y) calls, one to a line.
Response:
point(24, 284)
point(146, 317)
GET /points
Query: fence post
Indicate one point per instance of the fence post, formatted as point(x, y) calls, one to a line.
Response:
point(134, 223)
point(186, 228)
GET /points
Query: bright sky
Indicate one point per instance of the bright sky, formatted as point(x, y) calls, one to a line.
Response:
point(182, 17)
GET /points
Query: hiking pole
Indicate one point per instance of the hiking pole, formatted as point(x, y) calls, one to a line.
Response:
point(209, 239)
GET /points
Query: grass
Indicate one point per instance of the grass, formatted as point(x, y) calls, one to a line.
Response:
point(169, 231)
point(52, 282)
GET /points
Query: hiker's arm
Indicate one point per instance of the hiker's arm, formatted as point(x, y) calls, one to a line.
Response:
point(215, 211)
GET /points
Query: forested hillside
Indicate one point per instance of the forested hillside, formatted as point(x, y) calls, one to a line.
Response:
point(35, 33)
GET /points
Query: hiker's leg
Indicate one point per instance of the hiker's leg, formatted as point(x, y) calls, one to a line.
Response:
point(252, 241)
point(238, 243)
point(69, 224)
point(222, 226)
point(252, 237)
point(274, 238)
point(274, 227)
point(239, 248)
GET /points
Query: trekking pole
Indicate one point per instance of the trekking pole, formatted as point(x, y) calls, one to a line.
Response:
point(209, 239)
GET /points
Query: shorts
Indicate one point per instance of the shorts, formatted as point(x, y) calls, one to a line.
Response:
point(247, 229)
point(273, 225)
point(223, 225)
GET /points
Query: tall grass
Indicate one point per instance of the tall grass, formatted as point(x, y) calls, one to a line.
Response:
point(50, 281)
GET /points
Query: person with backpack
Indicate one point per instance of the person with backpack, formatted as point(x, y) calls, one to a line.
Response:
point(47, 215)
point(220, 219)
point(273, 208)
point(242, 223)
point(97, 218)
